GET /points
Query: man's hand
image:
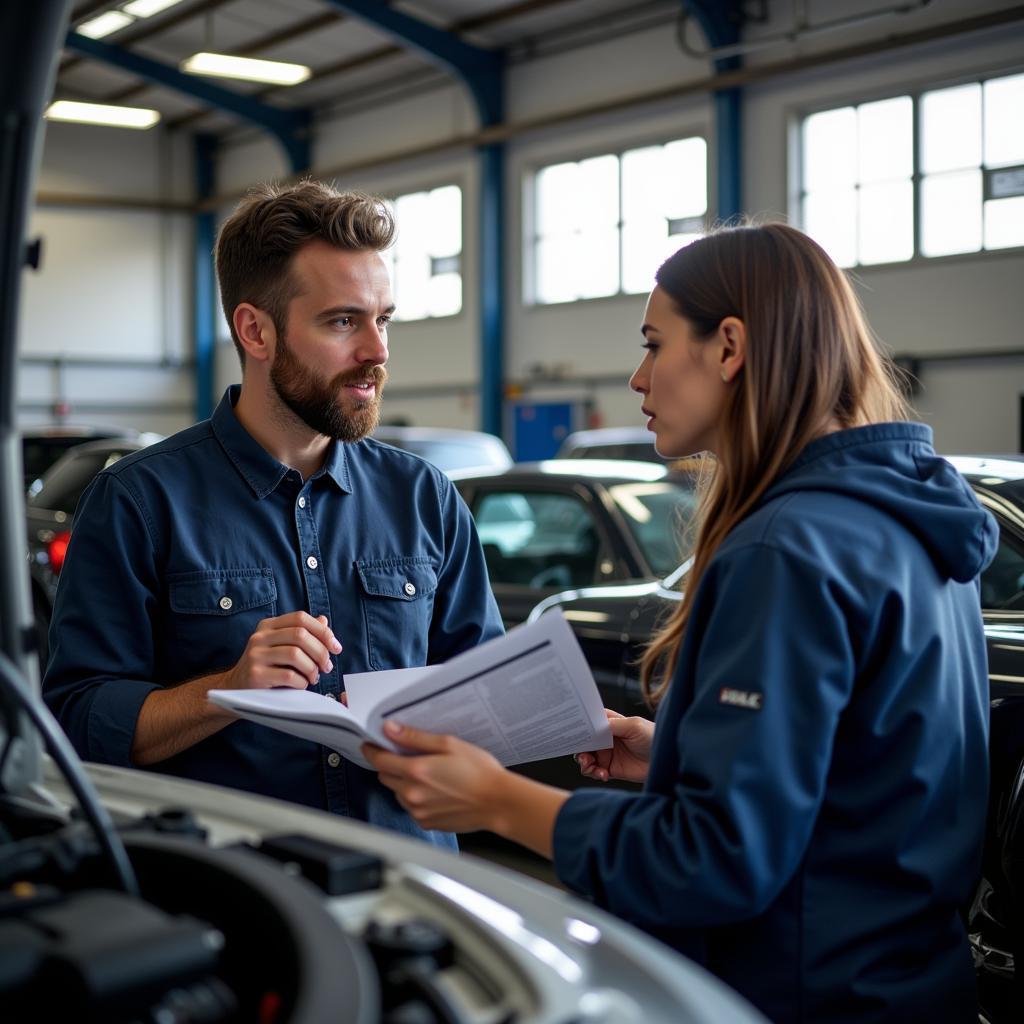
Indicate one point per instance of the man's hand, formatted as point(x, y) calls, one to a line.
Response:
point(288, 650)
point(630, 753)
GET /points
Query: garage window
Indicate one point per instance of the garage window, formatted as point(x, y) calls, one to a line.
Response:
point(933, 174)
point(601, 226)
point(425, 262)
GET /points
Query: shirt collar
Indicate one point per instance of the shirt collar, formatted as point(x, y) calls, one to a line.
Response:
point(260, 470)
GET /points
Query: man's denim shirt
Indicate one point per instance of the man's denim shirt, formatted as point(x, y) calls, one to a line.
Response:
point(179, 550)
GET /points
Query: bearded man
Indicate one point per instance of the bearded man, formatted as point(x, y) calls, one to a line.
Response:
point(274, 544)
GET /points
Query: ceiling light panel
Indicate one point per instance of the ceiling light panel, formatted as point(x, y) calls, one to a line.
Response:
point(248, 69)
point(104, 24)
point(147, 8)
point(103, 114)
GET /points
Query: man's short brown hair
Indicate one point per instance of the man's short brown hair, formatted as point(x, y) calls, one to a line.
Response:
point(256, 244)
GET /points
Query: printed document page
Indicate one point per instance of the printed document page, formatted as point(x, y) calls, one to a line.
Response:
point(525, 696)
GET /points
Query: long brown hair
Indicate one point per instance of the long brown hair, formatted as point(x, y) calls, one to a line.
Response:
point(811, 359)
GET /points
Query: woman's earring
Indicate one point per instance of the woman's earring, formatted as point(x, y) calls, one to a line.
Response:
point(725, 377)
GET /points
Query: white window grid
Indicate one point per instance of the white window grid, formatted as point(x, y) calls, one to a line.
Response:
point(623, 278)
point(992, 176)
point(425, 261)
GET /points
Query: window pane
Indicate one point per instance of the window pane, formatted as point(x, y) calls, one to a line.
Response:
point(1004, 222)
point(445, 221)
point(951, 213)
point(412, 279)
point(886, 222)
point(412, 218)
point(687, 162)
point(885, 133)
point(1004, 121)
point(444, 295)
point(556, 199)
point(646, 185)
point(556, 261)
point(829, 143)
point(644, 245)
point(830, 218)
point(951, 129)
point(597, 270)
point(597, 192)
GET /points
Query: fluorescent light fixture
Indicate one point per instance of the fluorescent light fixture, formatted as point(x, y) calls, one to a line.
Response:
point(222, 65)
point(102, 113)
point(147, 8)
point(104, 24)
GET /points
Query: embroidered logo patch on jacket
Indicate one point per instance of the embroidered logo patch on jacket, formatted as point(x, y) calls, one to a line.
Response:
point(748, 699)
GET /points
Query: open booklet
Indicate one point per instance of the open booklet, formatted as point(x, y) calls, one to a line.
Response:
point(524, 696)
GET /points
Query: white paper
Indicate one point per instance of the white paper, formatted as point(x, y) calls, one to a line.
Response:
point(525, 696)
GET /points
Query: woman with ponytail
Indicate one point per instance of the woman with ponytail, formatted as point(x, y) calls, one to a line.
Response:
point(814, 787)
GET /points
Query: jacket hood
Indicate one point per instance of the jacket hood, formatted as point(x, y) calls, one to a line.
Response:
point(893, 466)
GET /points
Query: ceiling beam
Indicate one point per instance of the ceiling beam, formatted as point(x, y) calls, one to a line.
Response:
point(481, 70)
point(289, 127)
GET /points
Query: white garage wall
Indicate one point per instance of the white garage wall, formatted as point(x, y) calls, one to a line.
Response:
point(105, 324)
point(926, 307)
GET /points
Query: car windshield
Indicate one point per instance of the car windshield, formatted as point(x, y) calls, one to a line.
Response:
point(448, 455)
point(642, 451)
point(65, 483)
point(38, 454)
point(658, 514)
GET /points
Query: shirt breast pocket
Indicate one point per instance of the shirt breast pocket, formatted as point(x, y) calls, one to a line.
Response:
point(213, 612)
point(398, 603)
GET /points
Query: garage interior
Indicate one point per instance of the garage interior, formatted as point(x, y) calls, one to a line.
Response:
point(542, 157)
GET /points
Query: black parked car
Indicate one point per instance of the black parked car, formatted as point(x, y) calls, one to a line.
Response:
point(613, 624)
point(547, 526)
point(50, 509)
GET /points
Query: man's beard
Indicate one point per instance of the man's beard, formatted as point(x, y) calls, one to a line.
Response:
point(320, 405)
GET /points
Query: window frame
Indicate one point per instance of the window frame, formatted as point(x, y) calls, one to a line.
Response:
point(797, 114)
point(528, 197)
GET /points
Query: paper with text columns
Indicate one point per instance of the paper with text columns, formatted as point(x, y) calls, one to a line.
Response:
point(524, 696)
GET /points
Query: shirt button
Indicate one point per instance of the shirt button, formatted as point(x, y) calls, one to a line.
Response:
point(410, 588)
point(302, 502)
point(312, 562)
point(226, 603)
point(334, 759)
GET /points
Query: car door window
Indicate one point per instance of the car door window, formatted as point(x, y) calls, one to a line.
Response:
point(1002, 583)
point(537, 539)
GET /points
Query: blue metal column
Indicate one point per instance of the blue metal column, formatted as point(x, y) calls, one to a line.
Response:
point(721, 24)
point(205, 303)
point(492, 287)
point(482, 72)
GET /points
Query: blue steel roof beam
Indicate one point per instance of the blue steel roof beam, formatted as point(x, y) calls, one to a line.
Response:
point(481, 70)
point(290, 127)
point(721, 23)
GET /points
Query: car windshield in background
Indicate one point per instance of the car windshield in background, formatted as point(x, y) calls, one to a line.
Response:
point(657, 513)
point(452, 451)
point(446, 455)
point(642, 451)
point(63, 485)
